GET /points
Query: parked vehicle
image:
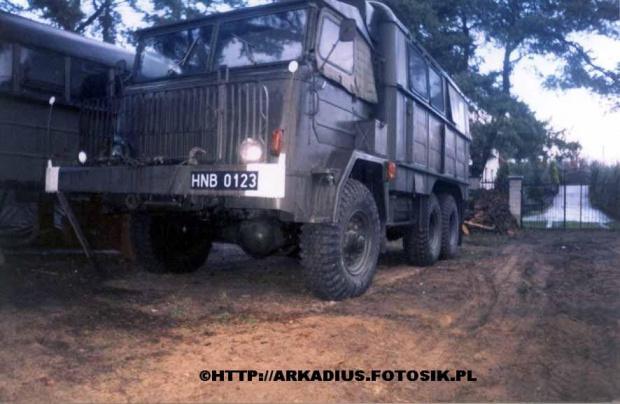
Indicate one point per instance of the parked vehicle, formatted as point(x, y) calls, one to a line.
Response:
point(314, 124)
point(38, 62)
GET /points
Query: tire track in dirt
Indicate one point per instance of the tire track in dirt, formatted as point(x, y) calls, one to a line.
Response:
point(535, 321)
point(495, 286)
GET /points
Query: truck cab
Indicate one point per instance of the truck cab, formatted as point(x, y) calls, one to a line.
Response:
point(318, 126)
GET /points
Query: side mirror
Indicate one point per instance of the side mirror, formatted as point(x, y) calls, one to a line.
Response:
point(348, 30)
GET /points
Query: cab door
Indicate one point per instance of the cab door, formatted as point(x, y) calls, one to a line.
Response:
point(345, 93)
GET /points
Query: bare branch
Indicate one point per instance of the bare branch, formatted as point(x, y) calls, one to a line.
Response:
point(94, 16)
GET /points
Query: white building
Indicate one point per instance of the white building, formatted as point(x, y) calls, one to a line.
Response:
point(489, 174)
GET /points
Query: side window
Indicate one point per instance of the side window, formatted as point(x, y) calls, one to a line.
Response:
point(6, 65)
point(42, 71)
point(437, 92)
point(342, 55)
point(459, 111)
point(418, 73)
point(88, 80)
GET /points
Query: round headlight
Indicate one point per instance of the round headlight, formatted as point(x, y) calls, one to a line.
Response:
point(117, 150)
point(252, 150)
point(82, 157)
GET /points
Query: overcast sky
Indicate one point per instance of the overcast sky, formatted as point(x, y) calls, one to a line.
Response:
point(586, 117)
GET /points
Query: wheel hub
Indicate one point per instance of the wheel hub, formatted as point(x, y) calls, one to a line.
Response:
point(356, 243)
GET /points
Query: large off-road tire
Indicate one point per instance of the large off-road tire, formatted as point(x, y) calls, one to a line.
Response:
point(19, 221)
point(422, 241)
point(450, 226)
point(169, 243)
point(340, 259)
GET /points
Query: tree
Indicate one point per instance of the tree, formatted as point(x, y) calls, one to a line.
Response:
point(10, 7)
point(445, 28)
point(103, 17)
point(547, 27)
point(501, 181)
point(177, 10)
point(449, 29)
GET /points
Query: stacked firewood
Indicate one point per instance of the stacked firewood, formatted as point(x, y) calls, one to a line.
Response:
point(489, 211)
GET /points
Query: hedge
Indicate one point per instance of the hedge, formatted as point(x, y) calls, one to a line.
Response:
point(605, 189)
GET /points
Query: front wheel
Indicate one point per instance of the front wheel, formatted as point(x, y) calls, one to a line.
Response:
point(340, 259)
point(169, 243)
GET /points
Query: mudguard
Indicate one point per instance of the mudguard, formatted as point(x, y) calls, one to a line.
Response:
point(328, 182)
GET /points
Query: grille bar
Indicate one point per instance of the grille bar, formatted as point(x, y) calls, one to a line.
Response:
point(168, 124)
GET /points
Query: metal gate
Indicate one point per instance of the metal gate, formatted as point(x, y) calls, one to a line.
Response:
point(564, 206)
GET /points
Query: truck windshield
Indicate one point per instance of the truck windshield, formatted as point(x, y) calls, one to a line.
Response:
point(268, 38)
point(175, 54)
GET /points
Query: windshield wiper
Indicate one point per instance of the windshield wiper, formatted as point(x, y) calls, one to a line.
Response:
point(249, 46)
point(184, 59)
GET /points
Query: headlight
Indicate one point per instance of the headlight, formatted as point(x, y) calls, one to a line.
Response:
point(117, 150)
point(82, 157)
point(252, 150)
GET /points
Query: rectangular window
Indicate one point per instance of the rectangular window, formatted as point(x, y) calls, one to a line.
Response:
point(43, 72)
point(6, 65)
point(341, 55)
point(459, 111)
point(88, 80)
point(437, 93)
point(268, 38)
point(175, 54)
point(418, 72)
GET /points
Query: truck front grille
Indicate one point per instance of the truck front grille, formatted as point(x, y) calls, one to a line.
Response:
point(168, 124)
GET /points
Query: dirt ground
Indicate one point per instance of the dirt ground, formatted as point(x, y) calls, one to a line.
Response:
point(535, 316)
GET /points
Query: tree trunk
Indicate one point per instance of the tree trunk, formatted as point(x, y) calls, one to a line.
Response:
point(507, 70)
point(107, 25)
point(468, 46)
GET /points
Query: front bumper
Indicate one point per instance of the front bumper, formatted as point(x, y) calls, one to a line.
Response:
point(162, 180)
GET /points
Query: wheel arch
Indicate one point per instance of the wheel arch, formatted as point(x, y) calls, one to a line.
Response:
point(328, 183)
point(444, 187)
point(372, 175)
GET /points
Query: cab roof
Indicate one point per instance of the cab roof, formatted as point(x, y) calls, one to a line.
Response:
point(31, 33)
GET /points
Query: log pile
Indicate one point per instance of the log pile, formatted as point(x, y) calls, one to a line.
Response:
point(489, 211)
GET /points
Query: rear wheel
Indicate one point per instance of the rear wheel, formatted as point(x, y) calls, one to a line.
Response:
point(340, 259)
point(450, 227)
point(422, 242)
point(169, 243)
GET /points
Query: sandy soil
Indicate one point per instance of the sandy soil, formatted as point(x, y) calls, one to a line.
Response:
point(536, 317)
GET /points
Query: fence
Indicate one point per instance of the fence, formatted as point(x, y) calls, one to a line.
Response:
point(564, 206)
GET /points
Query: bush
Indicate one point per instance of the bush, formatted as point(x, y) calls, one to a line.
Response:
point(501, 181)
point(605, 189)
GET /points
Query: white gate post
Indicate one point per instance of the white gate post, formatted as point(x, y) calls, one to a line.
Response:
point(515, 190)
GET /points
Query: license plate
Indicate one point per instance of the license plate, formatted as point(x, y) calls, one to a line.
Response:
point(225, 180)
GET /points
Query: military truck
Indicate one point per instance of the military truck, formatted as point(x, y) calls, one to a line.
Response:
point(312, 124)
point(38, 62)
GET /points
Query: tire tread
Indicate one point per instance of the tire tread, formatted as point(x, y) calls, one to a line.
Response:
point(321, 250)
